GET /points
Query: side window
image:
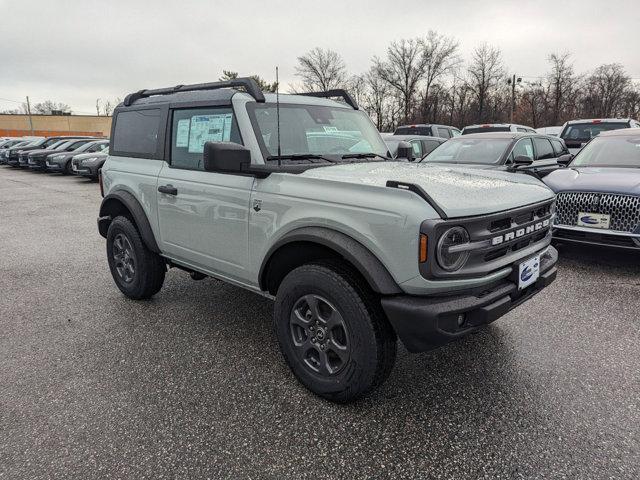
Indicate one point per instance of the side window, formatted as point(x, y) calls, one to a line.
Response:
point(192, 128)
point(417, 148)
point(559, 147)
point(523, 148)
point(455, 132)
point(444, 132)
point(543, 149)
point(430, 146)
point(136, 132)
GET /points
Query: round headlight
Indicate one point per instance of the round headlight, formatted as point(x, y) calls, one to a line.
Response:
point(452, 261)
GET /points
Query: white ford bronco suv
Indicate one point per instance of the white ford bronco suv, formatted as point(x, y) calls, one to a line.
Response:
point(295, 197)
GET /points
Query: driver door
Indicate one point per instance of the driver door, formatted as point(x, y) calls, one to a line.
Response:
point(203, 216)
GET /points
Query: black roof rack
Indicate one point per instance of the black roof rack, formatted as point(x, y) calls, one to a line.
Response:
point(249, 85)
point(338, 92)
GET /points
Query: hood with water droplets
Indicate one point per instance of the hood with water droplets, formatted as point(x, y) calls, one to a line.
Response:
point(459, 191)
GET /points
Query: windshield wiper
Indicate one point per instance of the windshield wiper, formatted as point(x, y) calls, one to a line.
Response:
point(365, 155)
point(300, 156)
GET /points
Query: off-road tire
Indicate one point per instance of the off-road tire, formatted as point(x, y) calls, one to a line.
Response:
point(371, 339)
point(149, 267)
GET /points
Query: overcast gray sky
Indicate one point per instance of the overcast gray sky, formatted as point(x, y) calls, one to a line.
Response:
point(76, 51)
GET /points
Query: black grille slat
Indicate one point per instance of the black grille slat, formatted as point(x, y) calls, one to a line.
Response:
point(623, 209)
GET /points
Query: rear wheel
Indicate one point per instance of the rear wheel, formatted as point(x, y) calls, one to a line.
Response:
point(332, 331)
point(137, 271)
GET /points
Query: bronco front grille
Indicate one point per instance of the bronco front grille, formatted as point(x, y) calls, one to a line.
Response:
point(623, 209)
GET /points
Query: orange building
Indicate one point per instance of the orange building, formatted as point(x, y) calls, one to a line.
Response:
point(52, 125)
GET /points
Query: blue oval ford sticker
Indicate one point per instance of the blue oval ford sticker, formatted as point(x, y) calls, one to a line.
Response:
point(589, 220)
point(526, 274)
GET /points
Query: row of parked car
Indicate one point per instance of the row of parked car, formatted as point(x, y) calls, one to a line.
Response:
point(598, 197)
point(79, 155)
point(500, 146)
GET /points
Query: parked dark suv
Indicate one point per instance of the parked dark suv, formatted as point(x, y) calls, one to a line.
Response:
point(429, 130)
point(534, 154)
point(577, 133)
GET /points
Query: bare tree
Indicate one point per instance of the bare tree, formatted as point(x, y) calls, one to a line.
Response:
point(605, 90)
point(321, 70)
point(376, 97)
point(485, 73)
point(533, 105)
point(440, 55)
point(107, 108)
point(562, 85)
point(48, 106)
point(403, 69)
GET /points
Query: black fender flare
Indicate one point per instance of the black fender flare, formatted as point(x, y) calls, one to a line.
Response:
point(372, 269)
point(114, 203)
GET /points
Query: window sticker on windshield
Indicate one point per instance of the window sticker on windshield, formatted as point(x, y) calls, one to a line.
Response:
point(182, 135)
point(330, 129)
point(209, 128)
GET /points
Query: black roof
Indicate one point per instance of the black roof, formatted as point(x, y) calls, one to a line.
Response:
point(221, 95)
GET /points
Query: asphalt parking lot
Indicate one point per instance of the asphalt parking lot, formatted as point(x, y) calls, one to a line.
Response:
point(191, 384)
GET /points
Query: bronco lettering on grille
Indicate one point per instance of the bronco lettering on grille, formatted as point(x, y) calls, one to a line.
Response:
point(521, 232)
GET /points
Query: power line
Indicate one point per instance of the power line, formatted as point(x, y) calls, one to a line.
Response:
point(9, 100)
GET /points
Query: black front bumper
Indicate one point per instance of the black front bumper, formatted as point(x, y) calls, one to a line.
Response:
point(425, 323)
point(37, 163)
point(87, 171)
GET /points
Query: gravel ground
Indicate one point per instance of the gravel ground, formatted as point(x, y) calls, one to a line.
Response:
point(191, 383)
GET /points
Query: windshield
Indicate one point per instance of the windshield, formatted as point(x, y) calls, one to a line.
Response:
point(487, 151)
point(56, 145)
point(610, 152)
point(315, 130)
point(583, 132)
point(486, 129)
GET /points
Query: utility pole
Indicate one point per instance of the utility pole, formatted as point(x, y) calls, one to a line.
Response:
point(29, 113)
point(513, 81)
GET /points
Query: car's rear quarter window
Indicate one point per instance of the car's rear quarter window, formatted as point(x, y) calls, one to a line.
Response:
point(136, 132)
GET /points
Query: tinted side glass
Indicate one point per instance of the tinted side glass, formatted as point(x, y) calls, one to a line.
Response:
point(137, 132)
point(430, 146)
point(417, 148)
point(559, 147)
point(523, 148)
point(192, 128)
point(543, 149)
point(444, 132)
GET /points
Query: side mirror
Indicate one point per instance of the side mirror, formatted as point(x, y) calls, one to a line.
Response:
point(522, 161)
point(225, 157)
point(565, 159)
point(405, 150)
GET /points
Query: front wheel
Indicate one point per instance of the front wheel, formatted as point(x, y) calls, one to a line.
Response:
point(332, 331)
point(137, 271)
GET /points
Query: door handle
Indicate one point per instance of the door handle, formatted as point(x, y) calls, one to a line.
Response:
point(168, 189)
